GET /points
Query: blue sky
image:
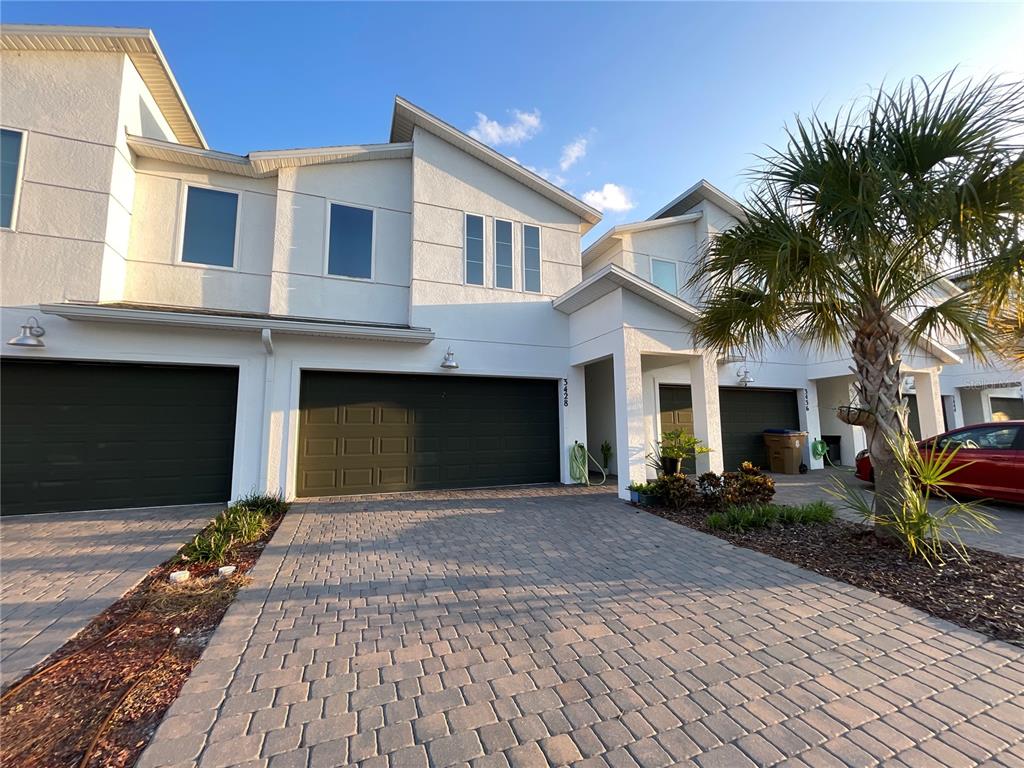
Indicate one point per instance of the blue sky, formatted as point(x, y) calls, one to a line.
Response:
point(625, 105)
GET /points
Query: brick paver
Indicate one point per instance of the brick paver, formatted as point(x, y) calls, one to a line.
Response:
point(58, 571)
point(545, 626)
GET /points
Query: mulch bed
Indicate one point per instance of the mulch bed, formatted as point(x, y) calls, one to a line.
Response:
point(98, 700)
point(985, 595)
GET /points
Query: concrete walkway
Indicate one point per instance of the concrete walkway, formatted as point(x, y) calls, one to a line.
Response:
point(1008, 518)
point(549, 627)
point(58, 571)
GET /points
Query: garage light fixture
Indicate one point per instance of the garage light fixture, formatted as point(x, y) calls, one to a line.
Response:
point(31, 335)
point(449, 363)
point(743, 374)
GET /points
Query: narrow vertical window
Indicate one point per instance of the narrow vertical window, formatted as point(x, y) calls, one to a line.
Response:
point(502, 254)
point(474, 249)
point(663, 275)
point(210, 221)
point(10, 162)
point(350, 242)
point(531, 258)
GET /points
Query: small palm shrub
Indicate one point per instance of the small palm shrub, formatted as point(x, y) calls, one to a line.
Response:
point(906, 514)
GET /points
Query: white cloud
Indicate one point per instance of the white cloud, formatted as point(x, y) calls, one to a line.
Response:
point(524, 126)
point(572, 153)
point(610, 197)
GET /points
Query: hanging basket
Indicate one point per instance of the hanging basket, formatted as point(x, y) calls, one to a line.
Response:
point(854, 416)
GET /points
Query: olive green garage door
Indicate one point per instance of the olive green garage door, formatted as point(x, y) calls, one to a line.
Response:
point(80, 436)
point(375, 433)
point(1007, 408)
point(746, 413)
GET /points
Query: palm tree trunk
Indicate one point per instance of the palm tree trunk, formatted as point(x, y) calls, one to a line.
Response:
point(876, 356)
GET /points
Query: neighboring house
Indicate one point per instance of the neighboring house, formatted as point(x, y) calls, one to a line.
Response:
point(413, 314)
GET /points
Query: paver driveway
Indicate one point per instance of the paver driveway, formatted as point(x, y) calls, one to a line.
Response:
point(550, 626)
point(58, 571)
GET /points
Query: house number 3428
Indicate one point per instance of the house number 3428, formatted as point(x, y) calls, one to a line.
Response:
point(565, 393)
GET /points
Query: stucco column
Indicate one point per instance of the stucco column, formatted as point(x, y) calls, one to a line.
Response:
point(810, 421)
point(630, 438)
point(572, 409)
point(929, 403)
point(707, 419)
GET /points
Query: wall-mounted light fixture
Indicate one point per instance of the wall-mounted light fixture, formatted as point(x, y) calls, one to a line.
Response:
point(31, 335)
point(743, 374)
point(449, 363)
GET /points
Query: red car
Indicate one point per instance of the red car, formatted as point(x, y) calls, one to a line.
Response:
point(991, 460)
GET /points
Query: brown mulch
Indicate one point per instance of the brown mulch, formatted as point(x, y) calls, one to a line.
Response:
point(112, 683)
point(985, 594)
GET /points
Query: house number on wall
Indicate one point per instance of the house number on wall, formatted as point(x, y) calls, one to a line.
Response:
point(565, 393)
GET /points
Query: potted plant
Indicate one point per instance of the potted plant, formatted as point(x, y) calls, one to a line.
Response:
point(606, 454)
point(675, 447)
point(647, 494)
point(634, 491)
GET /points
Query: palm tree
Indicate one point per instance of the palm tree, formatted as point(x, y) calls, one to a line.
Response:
point(851, 228)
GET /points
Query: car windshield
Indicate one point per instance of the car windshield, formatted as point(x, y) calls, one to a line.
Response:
point(982, 438)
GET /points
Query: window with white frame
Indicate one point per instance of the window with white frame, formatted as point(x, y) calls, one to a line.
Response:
point(474, 249)
point(350, 242)
point(663, 275)
point(10, 172)
point(502, 254)
point(531, 258)
point(211, 221)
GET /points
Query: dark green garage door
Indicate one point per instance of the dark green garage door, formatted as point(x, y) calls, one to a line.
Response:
point(1007, 408)
point(746, 413)
point(373, 433)
point(104, 436)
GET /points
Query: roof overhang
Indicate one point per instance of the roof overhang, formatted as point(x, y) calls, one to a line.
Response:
point(167, 317)
point(932, 346)
point(614, 277)
point(139, 45)
point(407, 117)
point(262, 164)
point(604, 243)
point(702, 190)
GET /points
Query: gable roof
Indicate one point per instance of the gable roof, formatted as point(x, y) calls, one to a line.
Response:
point(607, 240)
point(407, 117)
point(139, 45)
point(702, 190)
point(613, 277)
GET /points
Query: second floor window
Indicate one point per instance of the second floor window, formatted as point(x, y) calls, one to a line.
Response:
point(531, 258)
point(10, 166)
point(350, 242)
point(502, 254)
point(211, 217)
point(663, 275)
point(474, 249)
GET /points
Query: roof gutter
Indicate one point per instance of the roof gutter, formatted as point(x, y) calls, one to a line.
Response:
point(101, 314)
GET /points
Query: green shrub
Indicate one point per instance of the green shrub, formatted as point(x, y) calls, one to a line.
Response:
point(210, 546)
point(738, 519)
point(246, 524)
point(272, 505)
point(748, 486)
point(815, 512)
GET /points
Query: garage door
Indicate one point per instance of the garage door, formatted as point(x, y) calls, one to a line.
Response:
point(372, 433)
point(746, 413)
point(103, 436)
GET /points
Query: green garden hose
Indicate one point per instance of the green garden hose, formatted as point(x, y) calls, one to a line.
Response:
point(579, 470)
point(819, 450)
